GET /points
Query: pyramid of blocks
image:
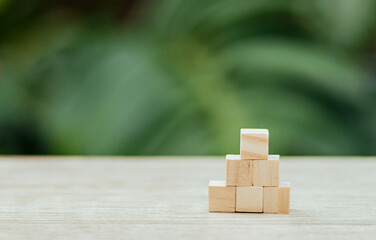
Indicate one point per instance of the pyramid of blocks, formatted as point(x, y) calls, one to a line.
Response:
point(252, 179)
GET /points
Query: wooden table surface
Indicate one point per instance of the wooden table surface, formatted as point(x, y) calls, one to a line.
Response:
point(166, 198)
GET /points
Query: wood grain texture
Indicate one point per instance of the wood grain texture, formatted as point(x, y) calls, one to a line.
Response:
point(270, 200)
point(221, 197)
point(266, 172)
point(238, 172)
point(167, 198)
point(277, 199)
point(249, 199)
point(254, 143)
point(284, 198)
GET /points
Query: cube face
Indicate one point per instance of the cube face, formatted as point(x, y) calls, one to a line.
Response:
point(284, 198)
point(238, 172)
point(221, 197)
point(266, 172)
point(254, 144)
point(277, 199)
point(249, 199)
point(270, 200)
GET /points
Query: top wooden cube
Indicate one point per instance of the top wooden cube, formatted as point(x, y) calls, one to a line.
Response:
point(254, 144)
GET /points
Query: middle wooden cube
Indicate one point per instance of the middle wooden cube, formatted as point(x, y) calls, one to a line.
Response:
point(266, 172)
point(238, 172)
point(249, 199)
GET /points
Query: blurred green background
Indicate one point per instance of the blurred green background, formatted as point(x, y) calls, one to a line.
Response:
point(182, 77)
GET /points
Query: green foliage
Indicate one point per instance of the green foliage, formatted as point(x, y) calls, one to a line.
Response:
point(182, 77)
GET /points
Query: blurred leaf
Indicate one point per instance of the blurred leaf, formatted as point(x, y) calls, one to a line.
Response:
point(313, 65)
point(345, 23)
point(184, 76)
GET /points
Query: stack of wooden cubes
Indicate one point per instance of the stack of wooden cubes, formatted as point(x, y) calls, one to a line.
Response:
point(252, 179)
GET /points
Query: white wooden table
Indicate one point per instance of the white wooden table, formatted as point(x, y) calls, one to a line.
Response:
point(166, 198)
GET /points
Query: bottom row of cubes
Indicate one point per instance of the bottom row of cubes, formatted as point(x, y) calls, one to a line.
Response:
point(223, 198)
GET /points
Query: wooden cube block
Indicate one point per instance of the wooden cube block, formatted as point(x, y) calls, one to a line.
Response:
point(221, 197)
point(266, 172)
point(277, 199)
point(254, 143)
point(284, 198)
point(249, 199)
point(270, 200)
point(238, 172)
